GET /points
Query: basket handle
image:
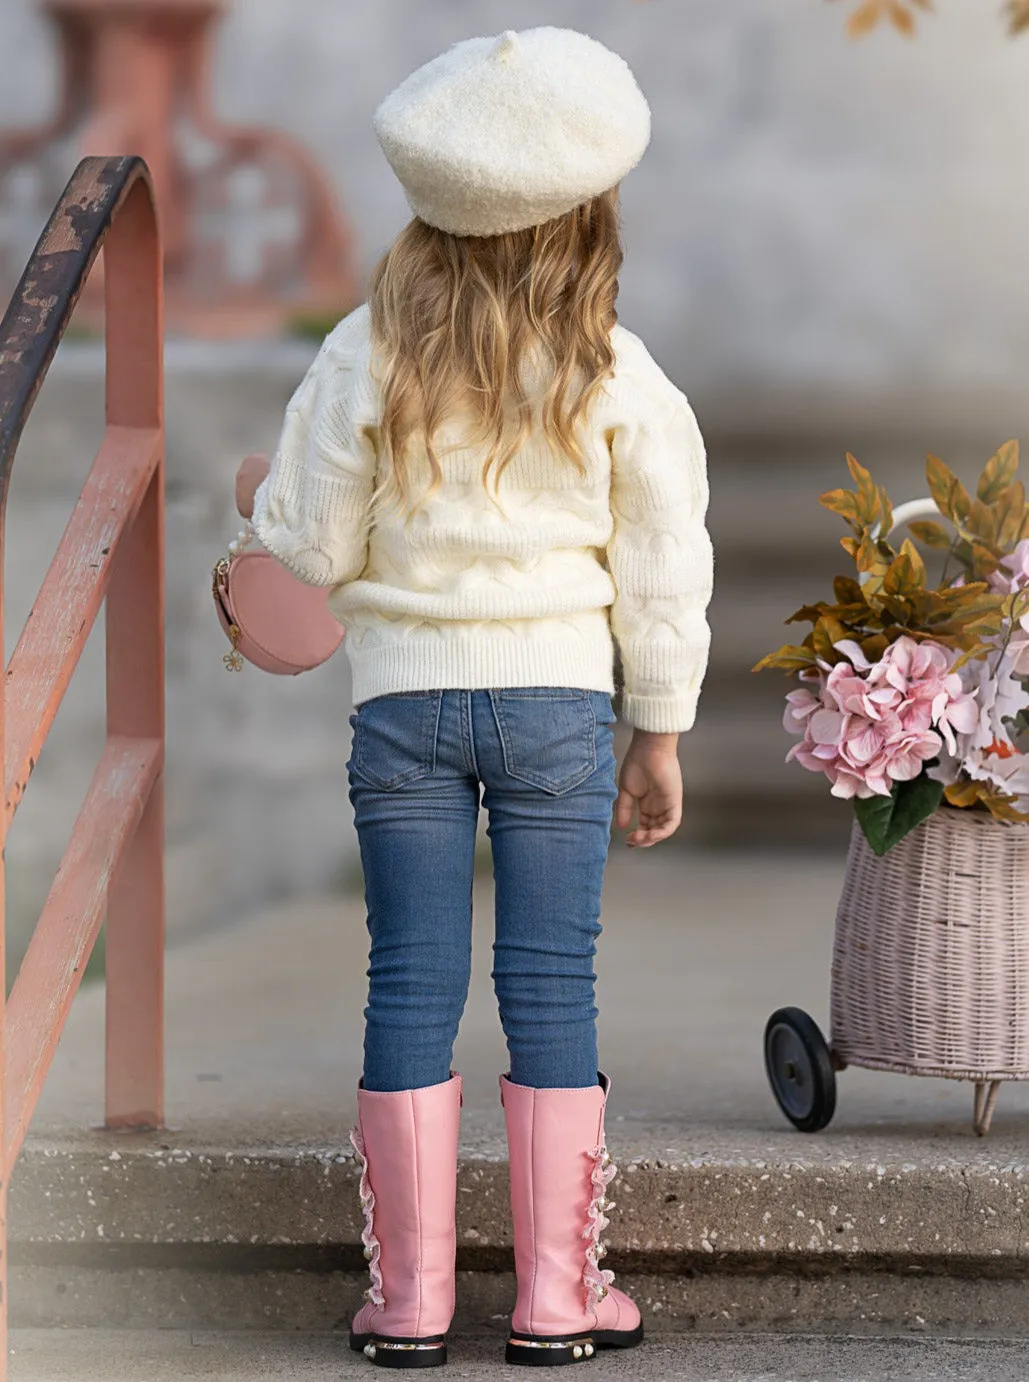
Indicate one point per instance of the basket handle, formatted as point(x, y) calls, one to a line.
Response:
point(904, 513)
point(913, 509)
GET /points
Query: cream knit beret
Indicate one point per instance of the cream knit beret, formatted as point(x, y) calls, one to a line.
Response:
point(498, 134)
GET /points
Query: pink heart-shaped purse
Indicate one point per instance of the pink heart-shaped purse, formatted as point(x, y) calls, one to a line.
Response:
point(272, 619)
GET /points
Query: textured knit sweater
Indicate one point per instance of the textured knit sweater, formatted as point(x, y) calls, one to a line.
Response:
point(469, 597)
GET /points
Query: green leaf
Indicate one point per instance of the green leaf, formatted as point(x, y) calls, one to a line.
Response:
point(886, 820)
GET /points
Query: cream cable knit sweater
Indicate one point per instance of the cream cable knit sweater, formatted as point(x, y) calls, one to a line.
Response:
point(470, 598)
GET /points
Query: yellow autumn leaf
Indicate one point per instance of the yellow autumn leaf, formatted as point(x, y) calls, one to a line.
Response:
point(998, 473)
point(874, 646)
point(982, 521)
point(947, 490)
point(909, 550)
point(978, 650)
point(848, 591)
point(901, 17)
point(1010, 508)
point(841, 501)
point(789, 658)
point(932, 534)
point(865, 18)
point(1018, 15)
point(962, 793)
point(825, 633)
point(1002, 807)
point(869, 503)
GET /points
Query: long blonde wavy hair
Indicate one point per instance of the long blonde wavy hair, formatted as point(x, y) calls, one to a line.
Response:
point(465, 323)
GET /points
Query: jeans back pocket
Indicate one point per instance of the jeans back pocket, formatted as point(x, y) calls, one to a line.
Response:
point(395, 738)
point(548, 735)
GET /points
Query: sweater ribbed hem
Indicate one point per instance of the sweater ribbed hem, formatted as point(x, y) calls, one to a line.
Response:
point(432, 664)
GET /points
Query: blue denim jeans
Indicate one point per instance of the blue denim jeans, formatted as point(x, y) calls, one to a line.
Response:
point(545, 758)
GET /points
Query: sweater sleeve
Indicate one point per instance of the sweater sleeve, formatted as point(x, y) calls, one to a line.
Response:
point(659, 554)
point(312, 512)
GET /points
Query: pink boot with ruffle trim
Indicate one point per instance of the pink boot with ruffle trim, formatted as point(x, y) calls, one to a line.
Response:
point(407, 1143)
point(566, 1307)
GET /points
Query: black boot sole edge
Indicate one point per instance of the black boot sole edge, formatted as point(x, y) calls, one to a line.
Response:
point(522, 1354)
point(389, 1357)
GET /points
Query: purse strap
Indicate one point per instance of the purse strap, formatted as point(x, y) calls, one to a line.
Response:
point(233, 660)
point(243, 541)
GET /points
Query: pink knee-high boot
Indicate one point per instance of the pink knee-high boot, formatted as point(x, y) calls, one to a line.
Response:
point(566, 1307)
point(407, 1142)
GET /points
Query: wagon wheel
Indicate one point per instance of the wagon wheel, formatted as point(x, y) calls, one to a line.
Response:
point(800, 1069)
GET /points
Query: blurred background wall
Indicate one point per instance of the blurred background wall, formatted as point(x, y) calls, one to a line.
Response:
point(826, 250)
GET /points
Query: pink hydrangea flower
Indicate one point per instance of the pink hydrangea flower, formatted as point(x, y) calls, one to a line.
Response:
point(867, 726)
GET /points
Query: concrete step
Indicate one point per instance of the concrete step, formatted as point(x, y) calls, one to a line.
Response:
point(100, 1355)
point(244, 1210)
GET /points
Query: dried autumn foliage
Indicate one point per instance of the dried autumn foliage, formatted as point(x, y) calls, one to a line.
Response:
point(902, 14)
point(892, 598)
point(1018, 15)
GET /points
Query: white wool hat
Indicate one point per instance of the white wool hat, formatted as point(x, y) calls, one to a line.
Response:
point(498, 134)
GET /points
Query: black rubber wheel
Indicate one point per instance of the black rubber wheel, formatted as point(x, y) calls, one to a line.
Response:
point(800, 1069)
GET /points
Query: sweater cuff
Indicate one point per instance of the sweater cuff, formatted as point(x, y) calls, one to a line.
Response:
point(660, 714)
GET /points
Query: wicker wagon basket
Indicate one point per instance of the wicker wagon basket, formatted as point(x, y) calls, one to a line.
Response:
point(930, 972)
point(930, 968)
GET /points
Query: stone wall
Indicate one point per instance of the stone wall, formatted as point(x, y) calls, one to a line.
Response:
point(811, 213)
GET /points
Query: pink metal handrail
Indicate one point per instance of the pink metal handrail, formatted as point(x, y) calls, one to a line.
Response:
point(112, 550)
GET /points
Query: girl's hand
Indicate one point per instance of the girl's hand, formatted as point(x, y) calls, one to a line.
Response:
point(250, 474)
point(651, 778)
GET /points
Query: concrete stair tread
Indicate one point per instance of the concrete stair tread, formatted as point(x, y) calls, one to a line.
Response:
point(104, 1355)
point(264, 1024)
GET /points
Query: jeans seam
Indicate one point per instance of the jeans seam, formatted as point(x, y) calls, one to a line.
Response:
point(466, 710)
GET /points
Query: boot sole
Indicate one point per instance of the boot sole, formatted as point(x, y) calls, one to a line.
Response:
point(562, 1350)
point(401, 1353)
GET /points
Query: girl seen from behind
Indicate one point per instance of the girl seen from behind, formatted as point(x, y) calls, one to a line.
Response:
point(498, 485)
